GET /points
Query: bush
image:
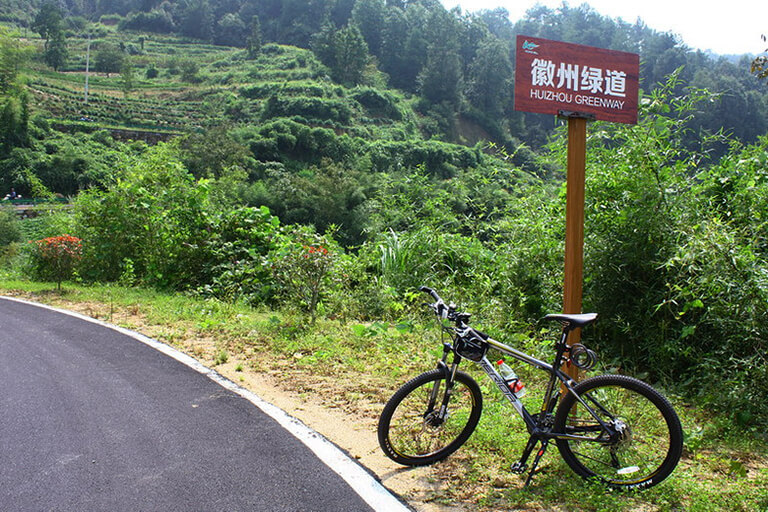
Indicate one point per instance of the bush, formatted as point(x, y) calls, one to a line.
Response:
point(322, 109)
point(55, 258)
point(377, 103)
point(237, 267)
point(438, 158)
point(157, 20)
point(304, 266)
point(156, 216)
point(9, 227)
point(675, 257)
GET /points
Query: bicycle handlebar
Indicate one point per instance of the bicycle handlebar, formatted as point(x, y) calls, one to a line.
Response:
point(432, 292)
point(446, 311)
point(441, 309)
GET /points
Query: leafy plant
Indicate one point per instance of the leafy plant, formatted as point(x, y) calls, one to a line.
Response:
point(55, 258)
point(155, 215)
point(303, 265)
point(222, 356)
point(237, 265)
point(10, 231)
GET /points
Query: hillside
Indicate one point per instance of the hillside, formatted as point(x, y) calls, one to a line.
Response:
point(458, 67)
point(221, 88)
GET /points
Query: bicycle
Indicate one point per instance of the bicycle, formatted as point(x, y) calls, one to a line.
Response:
point(613, 428)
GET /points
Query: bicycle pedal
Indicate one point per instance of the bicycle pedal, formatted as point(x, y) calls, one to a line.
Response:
point(518, 468)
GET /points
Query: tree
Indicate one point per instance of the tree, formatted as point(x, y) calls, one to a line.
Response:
point(393, 40)
point(14, 122)
point(56, 258)
point(415, 50)
point(473, 32)
point(197, 20)
point(341, 11)
point(208, 155)
point(298, 20)
point(230, 31)
point(491, 77)
point(12, 55)
point(368, 15)
point(189, 70)
point(351, 56)
point(440, 78)
point(48, 22)
point(56, 53)
point(109, 59)
point(323, 45)
point(127, 76)
point(760, 65)
point(343, 51)
point(254, 39)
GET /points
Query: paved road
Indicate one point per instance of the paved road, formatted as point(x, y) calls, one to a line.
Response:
point(93, 419)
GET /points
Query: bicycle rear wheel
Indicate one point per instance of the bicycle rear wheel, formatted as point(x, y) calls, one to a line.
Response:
point(643, 440)
point(414, 430)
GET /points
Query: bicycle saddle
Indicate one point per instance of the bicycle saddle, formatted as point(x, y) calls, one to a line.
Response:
point(573, 321)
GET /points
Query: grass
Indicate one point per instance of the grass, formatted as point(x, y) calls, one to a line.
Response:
point(356, 367)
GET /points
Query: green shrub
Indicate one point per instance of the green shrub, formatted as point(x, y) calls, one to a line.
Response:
point(304, 265)
point(156, 216)
point(377, 103)
point(237, 267)
point(322, 109)
point(10, 231)
point(55, 258)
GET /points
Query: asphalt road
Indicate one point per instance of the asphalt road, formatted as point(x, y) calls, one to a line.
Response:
point(93, 419)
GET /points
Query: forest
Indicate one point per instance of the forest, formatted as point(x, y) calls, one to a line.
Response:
point(329, 156)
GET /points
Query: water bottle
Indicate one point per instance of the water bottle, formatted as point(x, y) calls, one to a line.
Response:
point(510, 377)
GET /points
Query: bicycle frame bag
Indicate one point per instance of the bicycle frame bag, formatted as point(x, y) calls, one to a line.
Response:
point(473, 349)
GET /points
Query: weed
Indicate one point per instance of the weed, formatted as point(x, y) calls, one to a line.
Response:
point(221, 357)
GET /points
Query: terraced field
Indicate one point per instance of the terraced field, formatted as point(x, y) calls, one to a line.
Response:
point(226, 88)
point(108, 107)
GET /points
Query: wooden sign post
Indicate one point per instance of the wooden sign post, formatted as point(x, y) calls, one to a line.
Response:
point(574, 214)
point(578, 83)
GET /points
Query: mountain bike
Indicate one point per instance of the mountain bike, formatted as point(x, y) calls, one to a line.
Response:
point(613, 428)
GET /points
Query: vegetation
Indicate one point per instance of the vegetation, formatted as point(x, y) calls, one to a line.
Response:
point(324, 159)
point(55, 258)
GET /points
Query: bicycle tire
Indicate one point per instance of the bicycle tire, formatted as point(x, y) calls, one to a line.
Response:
point(649, 439)
point(411, 433)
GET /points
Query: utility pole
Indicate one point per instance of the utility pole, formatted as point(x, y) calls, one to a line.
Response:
point(87, 66)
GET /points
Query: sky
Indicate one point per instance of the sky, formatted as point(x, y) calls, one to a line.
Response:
point(724, 27)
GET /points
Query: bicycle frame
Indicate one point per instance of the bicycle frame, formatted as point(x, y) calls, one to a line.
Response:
point(539, 428)
point(549, 402)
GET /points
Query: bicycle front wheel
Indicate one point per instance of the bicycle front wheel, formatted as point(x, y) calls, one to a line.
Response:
point(634, 442)
point(415, 429)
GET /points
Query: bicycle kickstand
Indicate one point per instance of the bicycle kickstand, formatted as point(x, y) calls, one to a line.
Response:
point(539, 455)
point(520, 466)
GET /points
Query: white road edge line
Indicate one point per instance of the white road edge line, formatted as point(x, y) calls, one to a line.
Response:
point(359, 479)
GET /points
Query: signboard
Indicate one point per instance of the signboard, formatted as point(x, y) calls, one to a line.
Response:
point(553, 77)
